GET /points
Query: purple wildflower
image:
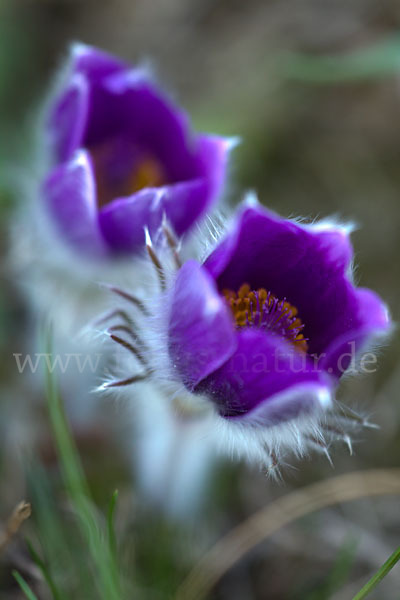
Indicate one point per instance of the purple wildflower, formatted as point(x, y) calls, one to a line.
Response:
point(124, 157)
point(263, 329)
point(266, 326)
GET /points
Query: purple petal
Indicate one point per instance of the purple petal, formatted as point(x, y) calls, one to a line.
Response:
point(184, 203)
point(87, 68)
point(268, 377)
point(69, 193)
point(68, 119)
point(372, 319)
point(302, 264)
point(212, 157)
point(127, 104)
point(95, 64)
point(122, 221)
point(201, 334)
point(123, 101)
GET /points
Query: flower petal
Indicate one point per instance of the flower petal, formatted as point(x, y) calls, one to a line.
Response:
point(262, 368)
point(201, 334)
point(184, 203)
point(122, 221)
point(95, 64)
point(212, 156)
point(69, 193)
point(68, 119)
point(86, 70)
point(304, 264)
point(129, 104)
point(373, 321)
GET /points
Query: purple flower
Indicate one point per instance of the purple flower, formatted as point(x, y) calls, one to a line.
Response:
point(267, 325)
point(124, 157)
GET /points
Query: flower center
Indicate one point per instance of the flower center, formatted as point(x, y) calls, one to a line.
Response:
point(121, 169)
point(148, 173)
point(262, 309)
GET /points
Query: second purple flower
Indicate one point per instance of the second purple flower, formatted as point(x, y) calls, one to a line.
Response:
point(124, 157)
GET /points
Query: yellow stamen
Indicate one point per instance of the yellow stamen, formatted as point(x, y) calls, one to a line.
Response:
point(262, 309)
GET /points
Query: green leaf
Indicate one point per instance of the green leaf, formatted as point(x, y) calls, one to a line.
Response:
point(45, 572)
point(377, 578)
point(110, 524)
point(91, 526)
point(24, 586)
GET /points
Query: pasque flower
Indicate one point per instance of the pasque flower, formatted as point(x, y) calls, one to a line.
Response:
point(265, 327)
point(124, 157)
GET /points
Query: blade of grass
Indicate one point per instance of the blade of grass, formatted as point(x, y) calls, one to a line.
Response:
point(45, 572)
point(377, 578)
point(24, 586)
point(58, 541)
point(110, 525)
point(78, 490)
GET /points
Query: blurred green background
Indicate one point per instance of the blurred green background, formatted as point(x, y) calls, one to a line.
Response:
point(313, 89)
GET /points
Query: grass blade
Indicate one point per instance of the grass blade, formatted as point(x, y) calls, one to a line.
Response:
point(24, 586)
point(44, 570)
point(377, 578)
point(110, 525)
point(106, 576)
